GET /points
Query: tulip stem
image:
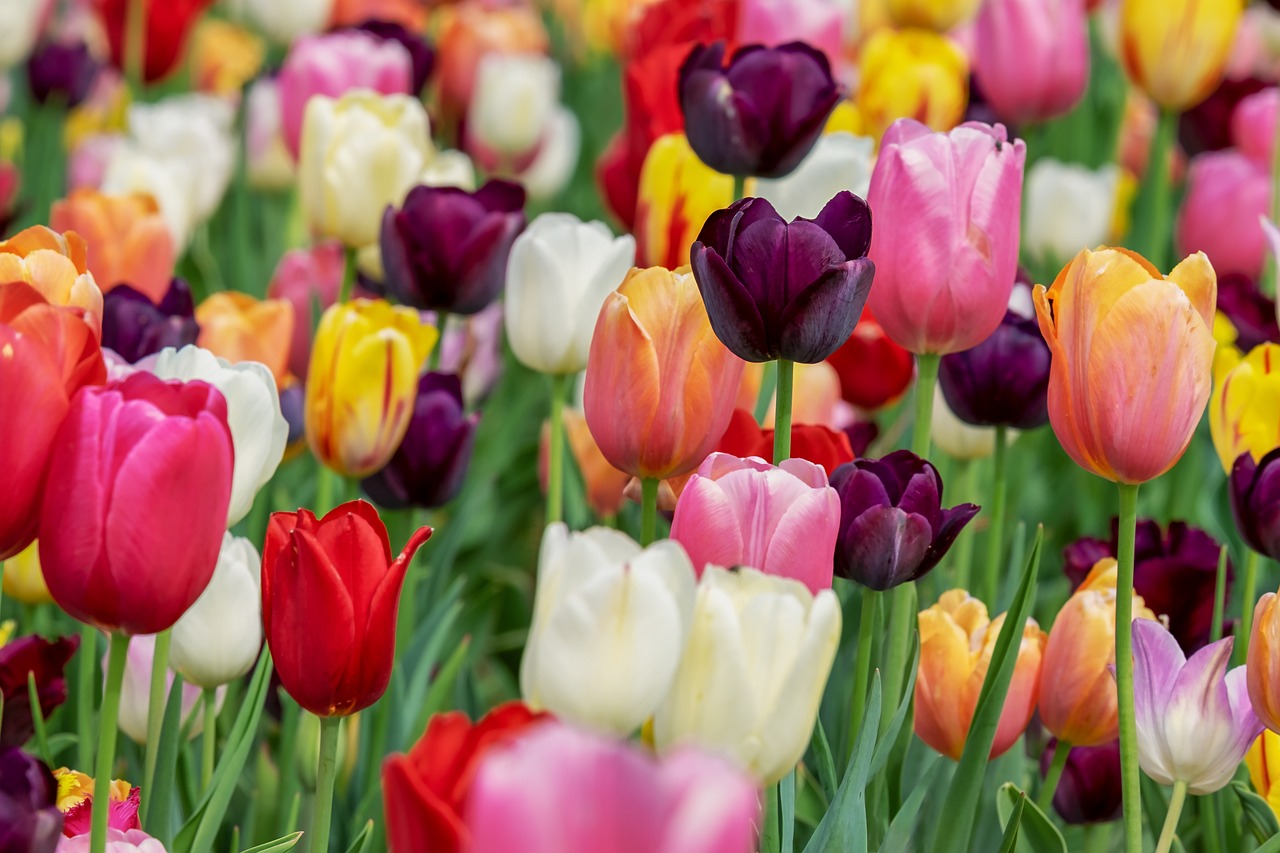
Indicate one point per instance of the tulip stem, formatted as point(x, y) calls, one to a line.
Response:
point(135, 44)
point(155, 717)
point(1249, 598)
point(901, 623)
point(926, 379)
point(963, 549)
point(1171, 818)
point(1157, 192)
point(768, 386)
point(1131, 789)
point(348, 276)
point(555, 454)
point(116, 657)
point(995, 535)
point(209, 737)
point(648, 509)
point(739, 187)
point(437, 351)
point(862, 669)
point(325, 772)
point(782, 412)
point(86, 669)
point(1059, 763)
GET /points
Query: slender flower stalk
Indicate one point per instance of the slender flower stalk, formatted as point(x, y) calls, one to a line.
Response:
point(555, 461)
point(1171, 818)
point(782, 418)
point(119, 652)
point(155, 717)
point(326, 770)
point(1130, 782)
point(862, 668)
point(995, 536)
point(1061, 752)
point(348, 275)
point(210, 737)
point(1248, 600)
point(648, 510)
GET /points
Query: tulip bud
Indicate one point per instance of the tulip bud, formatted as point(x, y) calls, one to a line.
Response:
point(237, 327)
point(308, 279)
point(44, 663)
point(28, 801)
point(218, 639)
point(513, 101)
point(676, 194)
point(1089, 789)
point(1176, 49)
point(1255, 491)
point(1004, 380)
point(135, 694)
point(1068, 208)
point(1251, 312)
point(1227, 193)
point(167, 26)
point(1242, 411)
point(1031, 58)
point(1264, 663)
point(63, 72)
point(126, 236)
point(1263, 761)
point(910, 74)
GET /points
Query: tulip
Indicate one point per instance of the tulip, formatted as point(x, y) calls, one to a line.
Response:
point(472, 348)
point(893, 528)
point(426, 791)
point(118, 841)
point(23, 24)
point(135, 695)
point(128, 242)
point(1031, 58)
point(63, 72)
point(1263, 663)
point(1175, 50)
point(659, 386)
point(268, 163)
point(224, 57)
point(1251, 312)
point(838, 161)
point(1004, 380)
point(1263, 761)
point(364, 368)
point(446, 249)
point(76, 789)
point(218, 639)
point(1089, 789)
point(237, 327)
point(54, 264)
point(746, 512)
point(513, 100)
point(815, 22)
point(23, 580)
point(29, 819)
point(676, 194)
point(873, 370)
point(129, 540)
point(134, 327)
point(308, 279)
point(762, 112)
point(555, 159)
point(1253, 503)
point(165, 34)
point(43, 661)
point(359, 154)
point(956, 438)
point(956, 643)
point(50, 352)
point(939, 15)
point(559, 273)
point(1244, 411)
point(1226, 194)
point(1069, 208)
point(910, 74)
point(286, 22)
point(421, 57)
point(474, 31)
point(1253, 124)
point(949, 294)
point(1131, 422)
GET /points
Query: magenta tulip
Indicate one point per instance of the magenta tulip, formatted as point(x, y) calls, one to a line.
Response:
point(136, 501)
point(945, 245)
point(556, 789)
point(1227, 193)
point(1031, 57)
point(782, 520)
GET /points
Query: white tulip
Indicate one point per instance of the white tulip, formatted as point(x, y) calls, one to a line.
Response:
point(169, 181)
point(449, 168)
point(22, 20)
point(957, 438)
point(557, 157)
point(219, 637)
point(839, 161)
point(559, 273)
point(515, 96)
point(135, 691)
point(609, 626)
point(1068, 207)
point(259, 431)
point(285, 20)
point(754, 670)
point(269, 164)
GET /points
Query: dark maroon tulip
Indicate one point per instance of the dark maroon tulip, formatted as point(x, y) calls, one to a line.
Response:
point(134, 327)
point(1255, 502)
point(29, 818)
point(1089, 790)
point(1251, 311)
point(1207, 125)
point(893, 528)
point(778, 289)
point(1003, 381)
point(420, 53)
point(46, 659)
point(62, 71)
point(1175, 572)
point(759, 115)
point(860, 435)
point(446, 249)
point(428, 468)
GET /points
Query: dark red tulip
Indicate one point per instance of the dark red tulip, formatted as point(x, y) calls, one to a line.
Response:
point(65, 71)
point(1003, 381)
point(1089, 790)
point(1252, 312)
point(1207, 125)
point(169, 22)
point(29, 818)
point(1255, 502)
point(134, 327)
point(20, 659)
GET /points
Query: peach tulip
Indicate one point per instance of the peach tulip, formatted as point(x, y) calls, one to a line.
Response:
point(54, 264)
point(238, 327)
point(128, 242)
point(1264, 662)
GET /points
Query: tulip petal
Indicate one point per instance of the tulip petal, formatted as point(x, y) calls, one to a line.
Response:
point(818, 320)
point(732, 310)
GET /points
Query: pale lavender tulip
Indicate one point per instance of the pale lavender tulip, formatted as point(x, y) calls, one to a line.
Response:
point(1031, 57)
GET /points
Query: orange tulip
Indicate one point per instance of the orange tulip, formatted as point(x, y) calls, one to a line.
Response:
point(1078, 700)
point(605, 485)
point(660, 386)
point(128, 242)
point(240, 328)
point(1132, 359)
point(956, 643)
point(1264, 661)
point(55, 265)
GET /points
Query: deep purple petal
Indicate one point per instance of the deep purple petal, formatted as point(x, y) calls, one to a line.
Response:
point(733, 313)
point(847, 218)
point(821, 318)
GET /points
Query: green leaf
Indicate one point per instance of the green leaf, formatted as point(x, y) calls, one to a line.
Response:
point(1258, 817)
point(890, 736)
point(1013, 825)
point(960, 807)
point(825, 765)
point(787, 813)
point(898, 836)
point(844, 827)
point(1040, 833)
point(280, 844)
point(442, 687)
point(361, 841)
point(158, 802)
point(37, 718)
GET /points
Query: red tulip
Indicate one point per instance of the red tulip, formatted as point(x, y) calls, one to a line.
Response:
point(168, 24)
point(136, 502)
point(874, 371)
point(330, 592)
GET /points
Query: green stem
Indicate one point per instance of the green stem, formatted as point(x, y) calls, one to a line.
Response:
point(135, 44)
point(648, 509)
point(963, 548)
point(86, 669)
point(862, 668)
point(433, 358)
point(1159, 202)
point(324, 489)
point(902, 621)
point(1097, 838)
point(782, 418)
point(1249, 599)
point(1171, 818)
point(1130, 783)
point(326, 770)
point(209, 737)
point(768, 386)
point(926, 379)
point(116, 657)
point(995, 536)
point(1209, 815)
point(771, 832)
point(555, 455)
point(1060, 754)
point(155, 717)
point(348, 276)
point(739, 187)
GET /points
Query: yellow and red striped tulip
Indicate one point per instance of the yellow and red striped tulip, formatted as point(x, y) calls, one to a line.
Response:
point(1263, 761)
point(128, 242)
point(1176, 50)
point(238, 327)
point(1244, 412)
point(677, 193)
point(54, 264)
point(911, 74)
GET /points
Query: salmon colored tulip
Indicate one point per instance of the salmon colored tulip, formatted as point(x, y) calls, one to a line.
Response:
point(1244, 412)
point(677, 193)
point(911, 74)
point(469, 32)
point(660, 386)
point(238, 327)
point(54, 264)
point(128, 242)
point(1264, 661)
point(1176, 50)
point(1078, 702)
point(1263, 761)
point(956, 643)
point(1132, 359)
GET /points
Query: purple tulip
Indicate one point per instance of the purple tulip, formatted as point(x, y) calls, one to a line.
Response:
point(29, 818)
point(775, 289)
point(134, 327)
point(420, 53)
point(446, 249)
point(893, 528)
point(19, 659)
point(761, 114)
point(1003, 381)
point(62, 71)
point(1255, 502)
point(428, 468)
point(1089, 790)
point(1251, 311)
point(293, 405)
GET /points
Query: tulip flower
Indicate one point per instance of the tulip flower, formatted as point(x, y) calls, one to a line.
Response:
point(1031, 58)
point(1244, 411)
point(334, 573)
point(514, 99)
point(426, 791)
point(775, 22)
point(429, 466)
point(165, 35)
point(1263, 662)
point(54, 264)
point(128, 242)
point(135, 696)
point(23, 580)
point(421, 56)
point(956, 438)
point(29, 818)
point(1068, 208)
point(746, 512)
point(910, 74)
point(473, 32)
point(75, 795)
point(1004, 380)
point(1131, 422)
point(1251, 312)
point(27, 19)
point(939, 15)
point(1175, 51)
point(1253, 123)
point(956, 643)
point(308, 279)
point(42, 659)
point(224, 57)
point(676, 194)
point(1263, 761)
point(446, 249)
point(237, 327)
point(874, 371)
point(129, 540)
point(118, 841)
point(1227, 193)
point(364, 367)
point(134, 327)
point(1253, 487)
point(63, 72)
point(760, 113)
point(286, 22)
point(838, 161)
point(218, 639)
point(1089, 789)
point(472, 348)
point(893, 528)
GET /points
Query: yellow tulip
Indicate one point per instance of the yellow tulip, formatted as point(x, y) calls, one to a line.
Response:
point(911, 74)
point(23, 579)
point(938, 15)
point(362, 383)
point(1175, 50)
point(677, 193)
point(1244, 412)
point(1263, 761)
point(224, 57)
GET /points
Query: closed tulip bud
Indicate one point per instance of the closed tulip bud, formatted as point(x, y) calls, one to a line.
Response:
point(911, 74)
point(237, 327)
point(63, 72)
point(287, 21)
point(364, 367)
point(1226, 195)
point(1254, 123)
point(938, 15)
point(28, 802)
point(1175, 50)
point(167, 26)
point(659, 386)
point(1255, 494)
point(760, 113)
point(1244, 411)
point(642, 599)
point(1031, 58)
point(956, 438)
point(134, 326)
point(956, 643)
point(1263, 761)
point(676, 194)
point(874, 371)
point(127, 239)
point(729, 696)
point(1250, 311)
point(1004, 380)
point(24, 580)
point(1131, 421)
point(41, 661)
point(514, 98)
point(54, 264)
point(218, 639)
point(135, 693)
point(1089, 790)
point(1069, 207)
point(838, 161)
point(330, 592)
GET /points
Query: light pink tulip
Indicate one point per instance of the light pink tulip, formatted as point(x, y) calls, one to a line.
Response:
point(559, 790)
point(819, 23)
point(1226, 194)
point(946, 209)
point(1253, 126)
point(1031, 57)
point(781, 520)
point(336, 63)
point(310, 280)
point(132, 841)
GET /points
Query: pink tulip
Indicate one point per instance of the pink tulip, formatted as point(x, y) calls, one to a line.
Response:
point(946, 210)
point(1226, 194)
point(781, 520)
point(819, 23)
point(310, 280)
point(559, 790)
point(1253, 126)
point(335, 63)
point(1031, 57)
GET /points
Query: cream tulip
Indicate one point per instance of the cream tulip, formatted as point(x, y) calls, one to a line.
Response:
point(218, 639)
point(838, 161)
point(1068, 207)
point(514, 99)
point(285, 20)
point(22, 19)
